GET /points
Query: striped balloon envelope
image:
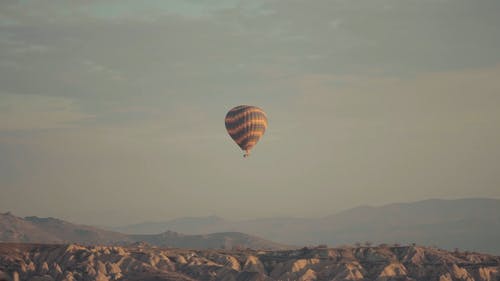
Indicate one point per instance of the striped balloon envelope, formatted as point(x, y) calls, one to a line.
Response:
point(246, 124)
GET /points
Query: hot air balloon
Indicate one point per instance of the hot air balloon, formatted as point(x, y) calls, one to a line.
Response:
point(246, 124)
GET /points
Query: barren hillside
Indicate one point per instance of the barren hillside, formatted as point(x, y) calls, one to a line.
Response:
point(52, 230)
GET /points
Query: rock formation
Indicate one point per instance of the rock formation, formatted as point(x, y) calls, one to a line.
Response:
point(37, 262)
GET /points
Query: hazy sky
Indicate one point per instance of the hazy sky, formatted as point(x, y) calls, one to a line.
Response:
point(112, 111)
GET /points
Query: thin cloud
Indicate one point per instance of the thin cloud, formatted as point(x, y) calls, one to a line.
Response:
point(95, 67)
point(33, 112)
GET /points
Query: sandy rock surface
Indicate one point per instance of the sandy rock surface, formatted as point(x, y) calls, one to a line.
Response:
point(39, 262)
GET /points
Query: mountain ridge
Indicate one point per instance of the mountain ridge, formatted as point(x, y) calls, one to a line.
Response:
point(427, 222)
point(50, 230)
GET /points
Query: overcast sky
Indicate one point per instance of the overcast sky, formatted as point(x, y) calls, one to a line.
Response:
point(112, 112)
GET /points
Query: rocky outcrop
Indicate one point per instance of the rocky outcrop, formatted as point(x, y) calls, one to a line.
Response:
point(36, 262)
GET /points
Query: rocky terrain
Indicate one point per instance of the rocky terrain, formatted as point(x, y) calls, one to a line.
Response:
point(37, 262)
point(52, 230)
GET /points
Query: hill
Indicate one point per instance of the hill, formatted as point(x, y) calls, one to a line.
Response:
point(472, 224)
point(191, 225)
point(51, 230)
point(221, 240)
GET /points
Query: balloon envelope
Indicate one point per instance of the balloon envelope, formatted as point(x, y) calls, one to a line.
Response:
point(246, 124)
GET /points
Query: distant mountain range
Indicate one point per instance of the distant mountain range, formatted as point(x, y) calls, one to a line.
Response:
point(466, 224)
point(470, 224)
point(51, 230)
